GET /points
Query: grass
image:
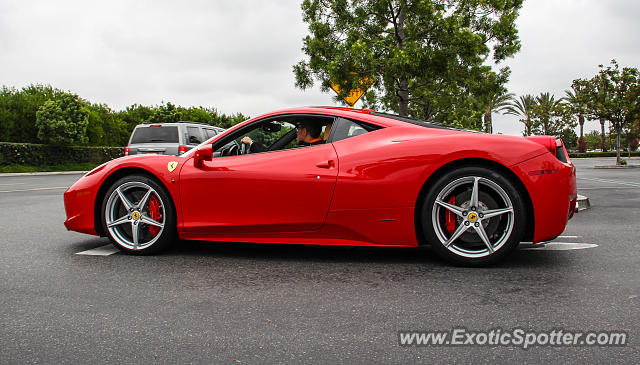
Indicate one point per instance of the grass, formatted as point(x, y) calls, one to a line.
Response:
point(71, 166)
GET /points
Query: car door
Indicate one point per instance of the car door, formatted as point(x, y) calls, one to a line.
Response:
point(275, 191)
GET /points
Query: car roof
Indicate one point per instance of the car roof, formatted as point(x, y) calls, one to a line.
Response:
point(365, 115)
point(359, 114)
point(178, 123)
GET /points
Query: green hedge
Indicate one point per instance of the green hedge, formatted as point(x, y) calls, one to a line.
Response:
point(44, 155)
point(602, 154)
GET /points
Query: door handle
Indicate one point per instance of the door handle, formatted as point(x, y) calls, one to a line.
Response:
point(325, 164)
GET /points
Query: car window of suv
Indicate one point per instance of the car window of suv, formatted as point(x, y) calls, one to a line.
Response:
point(155, 134)
point(209, 132)
point(193, 135)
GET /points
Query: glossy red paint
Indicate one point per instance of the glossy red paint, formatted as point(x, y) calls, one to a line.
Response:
point(548, 142)
point(84, 198)
point(266, 192)
point(358, 191)
point(553, 195)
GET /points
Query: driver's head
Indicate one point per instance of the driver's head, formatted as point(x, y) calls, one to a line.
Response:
point(308, 131)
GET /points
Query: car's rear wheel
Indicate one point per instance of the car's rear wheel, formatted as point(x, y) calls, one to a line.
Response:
point(138, 216)
point(473, 216)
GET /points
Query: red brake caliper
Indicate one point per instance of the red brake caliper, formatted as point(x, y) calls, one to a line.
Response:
point(154, 213)
point(450, 217)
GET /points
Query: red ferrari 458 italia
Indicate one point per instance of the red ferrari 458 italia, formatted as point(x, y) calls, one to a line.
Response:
point(336, 176)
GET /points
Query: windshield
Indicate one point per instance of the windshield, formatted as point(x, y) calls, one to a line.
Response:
point(167, 134)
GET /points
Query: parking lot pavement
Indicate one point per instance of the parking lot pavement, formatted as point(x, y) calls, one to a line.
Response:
point(247, 303)
point(29, 183)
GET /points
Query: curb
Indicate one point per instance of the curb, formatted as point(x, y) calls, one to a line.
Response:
point(43, 173)
point(582, 203)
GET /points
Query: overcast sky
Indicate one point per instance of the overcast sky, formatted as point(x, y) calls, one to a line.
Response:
point(237, 55)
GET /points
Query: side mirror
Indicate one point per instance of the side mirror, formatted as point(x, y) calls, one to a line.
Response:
point(204, 153)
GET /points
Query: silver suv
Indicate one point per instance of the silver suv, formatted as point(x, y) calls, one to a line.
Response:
point(169, 138)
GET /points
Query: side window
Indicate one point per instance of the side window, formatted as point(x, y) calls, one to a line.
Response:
point(193, 135)
point(275, 134)
point(344, 128)
point(209, 132)
point(265, 136)
point(269, 133)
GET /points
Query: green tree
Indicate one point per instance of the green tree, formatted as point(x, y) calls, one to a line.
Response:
point(134, 115)
point(592, 140)
point(569, 137)
point(603, 135)
point(524, 108)
point(105, 127)
point(197, 115)
point(18, 110)
point(632, 133)
point(552, 115)
point(63, 121)
point(578, 108)
point(428, 58)
point(7, 114)
point(227, 121)
point(166, 113)
point(612, 95)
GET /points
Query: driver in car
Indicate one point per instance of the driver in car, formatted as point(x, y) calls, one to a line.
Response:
point(308, 134)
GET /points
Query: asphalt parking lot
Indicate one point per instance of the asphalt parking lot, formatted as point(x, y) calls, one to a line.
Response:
point(257, 304)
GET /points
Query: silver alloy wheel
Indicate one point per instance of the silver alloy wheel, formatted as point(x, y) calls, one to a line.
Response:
point(127, 215)
point(473, 213)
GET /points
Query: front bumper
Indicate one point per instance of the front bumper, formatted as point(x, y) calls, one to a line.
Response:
point(79, 205)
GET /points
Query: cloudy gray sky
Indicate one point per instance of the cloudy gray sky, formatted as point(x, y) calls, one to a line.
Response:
point(237, 55)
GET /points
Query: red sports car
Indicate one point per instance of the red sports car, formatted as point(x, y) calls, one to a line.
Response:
point(336, 176)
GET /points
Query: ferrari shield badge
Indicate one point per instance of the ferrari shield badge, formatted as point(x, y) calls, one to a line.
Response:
point(172, 166)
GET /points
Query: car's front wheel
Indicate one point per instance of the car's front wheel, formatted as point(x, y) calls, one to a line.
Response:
point(138, 216)
point(473, 216)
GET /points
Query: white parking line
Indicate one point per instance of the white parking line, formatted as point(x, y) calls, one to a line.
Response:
point(562, 246)
point(610, 187)
point(19, 183)
point(557, 245)
point(618, 182)
point(105, 250)
point(34, 189)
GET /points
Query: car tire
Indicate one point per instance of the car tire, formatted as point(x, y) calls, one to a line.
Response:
point(473, 216)
point(138, 215)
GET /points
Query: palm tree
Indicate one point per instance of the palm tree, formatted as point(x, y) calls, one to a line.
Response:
point(523, 107)
point(547, 103)
point(495, 102)
point(573, 98)
point(604, 140)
